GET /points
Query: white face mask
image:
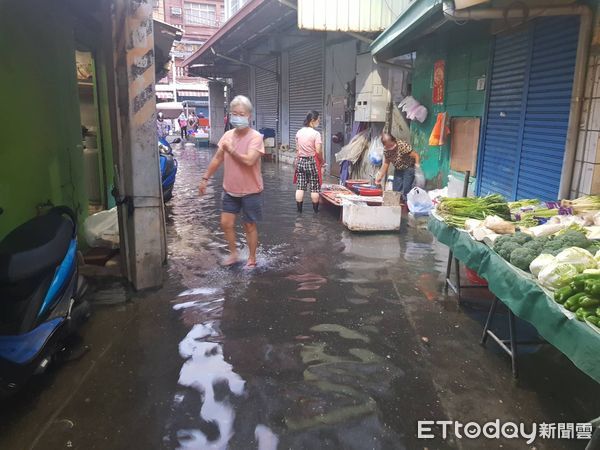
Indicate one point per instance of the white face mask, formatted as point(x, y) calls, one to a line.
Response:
point(240, 122)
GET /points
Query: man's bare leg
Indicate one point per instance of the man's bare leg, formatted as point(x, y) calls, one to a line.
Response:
point(228, 227)
point(252, 238)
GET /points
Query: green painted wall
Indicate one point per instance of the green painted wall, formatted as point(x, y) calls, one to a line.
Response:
point(467, 58)
point(41, 140)
point(105, 135)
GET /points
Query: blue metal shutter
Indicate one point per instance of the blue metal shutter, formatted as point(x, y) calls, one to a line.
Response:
point(528, 110)
point(548, 107)
point(504, 114)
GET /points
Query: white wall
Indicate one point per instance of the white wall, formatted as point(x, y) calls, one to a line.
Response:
point(340, 68)
point(586, 174)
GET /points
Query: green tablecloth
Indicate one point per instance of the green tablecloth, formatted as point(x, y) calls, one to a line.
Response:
point(519, 292)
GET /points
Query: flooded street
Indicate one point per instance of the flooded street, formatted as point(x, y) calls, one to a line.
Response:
point(336, 340)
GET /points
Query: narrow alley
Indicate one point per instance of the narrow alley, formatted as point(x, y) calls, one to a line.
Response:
point(336, 340)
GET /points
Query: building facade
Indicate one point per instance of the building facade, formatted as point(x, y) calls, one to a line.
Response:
point(198, 20)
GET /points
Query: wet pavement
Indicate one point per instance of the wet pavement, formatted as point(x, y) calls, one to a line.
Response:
point(336, 341)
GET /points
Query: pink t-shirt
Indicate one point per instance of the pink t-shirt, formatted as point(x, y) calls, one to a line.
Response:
point(307, 140)
point(240, 179)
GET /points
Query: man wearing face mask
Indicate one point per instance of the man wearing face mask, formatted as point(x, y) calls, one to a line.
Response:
point(240, 150)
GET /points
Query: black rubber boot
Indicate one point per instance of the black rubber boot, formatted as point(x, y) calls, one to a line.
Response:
point(299, 206)
point(316, 207)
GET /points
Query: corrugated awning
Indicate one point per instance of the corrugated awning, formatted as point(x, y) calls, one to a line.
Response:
point(164, 36)
point(193, 93)
point(221, 55)
point(164, 95)
point(420, 18)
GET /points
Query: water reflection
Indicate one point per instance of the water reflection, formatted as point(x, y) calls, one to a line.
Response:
point(294, 354)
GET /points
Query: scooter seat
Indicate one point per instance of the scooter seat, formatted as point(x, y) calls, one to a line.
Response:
point(34, 247)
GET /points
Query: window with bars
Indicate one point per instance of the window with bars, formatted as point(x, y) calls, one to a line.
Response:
point(200, 14)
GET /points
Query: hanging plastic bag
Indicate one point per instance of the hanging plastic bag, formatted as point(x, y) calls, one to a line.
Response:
point(419, 178)
point(102, 229)
point(418, 201)
point(376, 151)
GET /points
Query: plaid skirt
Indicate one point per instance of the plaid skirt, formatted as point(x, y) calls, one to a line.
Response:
point(307, 175)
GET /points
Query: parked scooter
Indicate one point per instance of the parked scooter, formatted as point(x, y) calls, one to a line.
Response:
point(40, 296)
point(168, 168)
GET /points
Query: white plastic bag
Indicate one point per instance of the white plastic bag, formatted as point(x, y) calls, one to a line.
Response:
point(418, 201)
point(419, 177)
point(376, 151)
point(102, 229)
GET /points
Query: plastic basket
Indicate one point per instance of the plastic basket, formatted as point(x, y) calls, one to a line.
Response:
point(474, 278)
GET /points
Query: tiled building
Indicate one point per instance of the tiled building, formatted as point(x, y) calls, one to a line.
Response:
point(199, 20)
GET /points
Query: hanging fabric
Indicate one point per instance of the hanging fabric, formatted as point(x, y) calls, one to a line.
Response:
point(440, 131)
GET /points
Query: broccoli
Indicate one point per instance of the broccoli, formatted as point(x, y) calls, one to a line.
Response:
point(573, 238)
point(501, 241)
point(535, 245)
point(521, 238)
point(507, 249)
point(522, 257)
point(552, 245)
point(594, 247)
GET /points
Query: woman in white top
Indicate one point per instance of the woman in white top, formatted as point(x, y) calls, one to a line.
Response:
point(309, 147)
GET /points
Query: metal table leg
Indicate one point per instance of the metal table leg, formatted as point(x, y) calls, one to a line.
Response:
point(513, 343)
point(510, 346)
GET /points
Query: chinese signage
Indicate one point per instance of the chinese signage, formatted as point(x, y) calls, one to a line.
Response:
point(439, 76)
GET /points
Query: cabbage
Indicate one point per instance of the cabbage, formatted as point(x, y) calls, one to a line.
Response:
point(597, 256)
point(579, 257)
point(540, 262)
point(556, 275)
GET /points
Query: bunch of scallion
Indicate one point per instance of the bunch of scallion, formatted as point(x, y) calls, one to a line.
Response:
point(455, 211)
point(522, 203)
point(583, 204)
point(530, 218)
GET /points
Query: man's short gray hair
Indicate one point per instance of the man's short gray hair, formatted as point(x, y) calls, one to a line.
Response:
point(243, 101)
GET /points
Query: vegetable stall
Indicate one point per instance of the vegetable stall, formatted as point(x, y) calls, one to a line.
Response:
point(540, 260)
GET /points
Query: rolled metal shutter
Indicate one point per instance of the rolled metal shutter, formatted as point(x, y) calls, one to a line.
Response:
point(548, 107)
point(267, 94)
point(241, 82)
point(306, 84)
point(528, 110)
point(504, 115)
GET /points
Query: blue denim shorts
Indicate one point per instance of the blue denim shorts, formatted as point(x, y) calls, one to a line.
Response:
point(250, 205)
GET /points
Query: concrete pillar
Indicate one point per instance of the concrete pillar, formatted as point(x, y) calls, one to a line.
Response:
point(253, 91)
point(216, 106)
point(142, 214)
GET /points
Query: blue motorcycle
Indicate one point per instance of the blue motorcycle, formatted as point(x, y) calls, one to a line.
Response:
point(40, 296)
point(168, 168)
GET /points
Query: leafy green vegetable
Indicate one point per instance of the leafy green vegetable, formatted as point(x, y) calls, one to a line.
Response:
point(455, 211)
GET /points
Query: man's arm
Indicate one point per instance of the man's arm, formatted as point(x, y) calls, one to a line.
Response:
point(211, 169)
point(417, 158)
point(249, 159)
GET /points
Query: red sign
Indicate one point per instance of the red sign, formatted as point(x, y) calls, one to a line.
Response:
point(439, 77)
